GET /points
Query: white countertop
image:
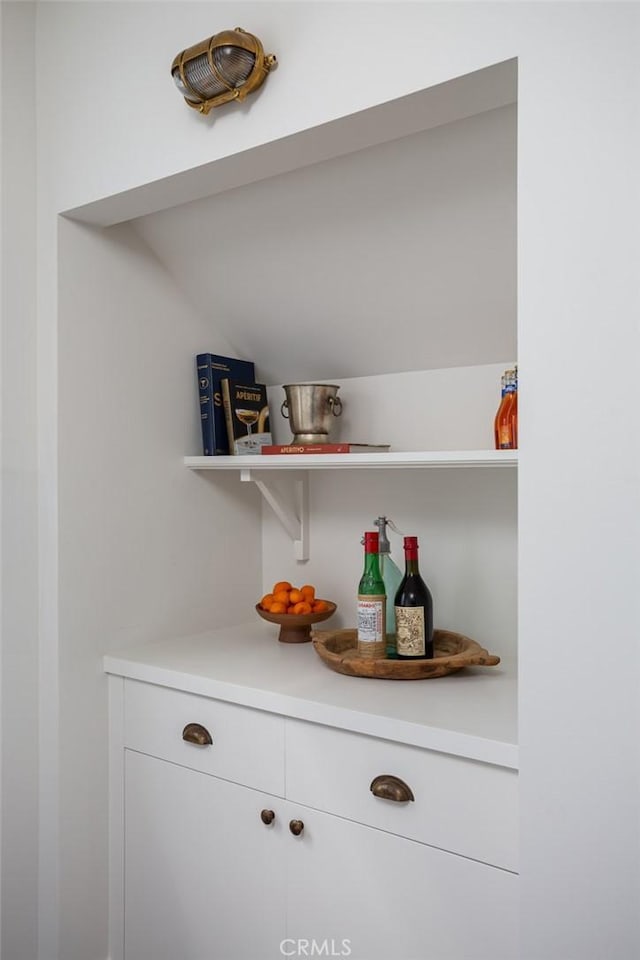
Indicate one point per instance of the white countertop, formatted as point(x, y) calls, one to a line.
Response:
point(472, 713)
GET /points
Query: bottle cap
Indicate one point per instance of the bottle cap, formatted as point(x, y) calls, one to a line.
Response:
point(411, 543)
point(371, 542)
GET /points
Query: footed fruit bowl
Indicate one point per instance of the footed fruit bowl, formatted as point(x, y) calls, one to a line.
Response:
point(296, 627)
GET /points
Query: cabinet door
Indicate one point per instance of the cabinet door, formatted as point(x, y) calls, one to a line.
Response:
point(371, 895)
point(203, 874)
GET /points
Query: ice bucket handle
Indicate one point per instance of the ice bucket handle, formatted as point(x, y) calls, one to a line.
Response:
point(335, 405)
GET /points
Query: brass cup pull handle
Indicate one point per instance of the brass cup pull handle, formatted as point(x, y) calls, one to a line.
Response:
point(296, 827)
point(387, 787)
point(196, 733)
point(267, 816)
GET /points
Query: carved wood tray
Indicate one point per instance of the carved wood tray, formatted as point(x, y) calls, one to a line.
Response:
point(453, 652)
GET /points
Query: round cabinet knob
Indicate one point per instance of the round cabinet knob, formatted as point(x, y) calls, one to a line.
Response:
point(387, 787)
point(267, 816)
point(296, 827)
point(196, 733)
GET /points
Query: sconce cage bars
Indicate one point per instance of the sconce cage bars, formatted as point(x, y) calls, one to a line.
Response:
point(227, 66)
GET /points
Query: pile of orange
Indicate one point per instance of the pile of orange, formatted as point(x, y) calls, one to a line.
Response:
point(287, 599)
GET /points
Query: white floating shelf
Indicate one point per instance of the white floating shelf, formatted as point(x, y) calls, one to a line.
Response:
point(295, 519)
point(359, 461)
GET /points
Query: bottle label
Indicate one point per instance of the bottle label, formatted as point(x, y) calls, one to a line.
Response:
point(371, 619)
point(505, 437)
point(410, 631)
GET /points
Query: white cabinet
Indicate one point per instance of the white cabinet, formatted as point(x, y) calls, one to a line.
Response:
point(203, 874)
point(395, 898)
point(212, 865)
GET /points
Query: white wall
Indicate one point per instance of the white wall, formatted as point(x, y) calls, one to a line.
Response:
point(450, 409)
point(318, 77)
point(579, 489)
point(465, 523)
point(147, 549)
point(19, 625)
point(578, 510)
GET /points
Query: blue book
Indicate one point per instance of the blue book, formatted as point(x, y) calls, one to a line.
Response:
point(211, 369)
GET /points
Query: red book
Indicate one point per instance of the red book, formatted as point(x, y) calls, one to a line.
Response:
point(278, 448)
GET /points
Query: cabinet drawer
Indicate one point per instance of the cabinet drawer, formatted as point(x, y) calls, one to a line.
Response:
point(247, 745)
point(460, 805)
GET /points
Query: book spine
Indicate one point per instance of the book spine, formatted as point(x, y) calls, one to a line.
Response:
point(279, 448)
point(205, 393)
point(221, 439)
point(226, 404)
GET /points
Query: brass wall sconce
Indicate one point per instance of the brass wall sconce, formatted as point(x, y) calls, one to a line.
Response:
point(227, 66)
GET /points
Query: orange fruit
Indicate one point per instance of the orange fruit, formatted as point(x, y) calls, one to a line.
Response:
point(277, 607)
point(291, 608)
point(309, 592)
point(302, 608)
point(295, 596)
point(282, 596)
point(266, 601)
point(320, 606)
point(281, 585)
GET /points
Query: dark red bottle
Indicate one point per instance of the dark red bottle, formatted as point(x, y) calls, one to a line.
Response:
point(414, 609)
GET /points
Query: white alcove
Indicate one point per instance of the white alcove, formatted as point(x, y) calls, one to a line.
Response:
point(377, 252)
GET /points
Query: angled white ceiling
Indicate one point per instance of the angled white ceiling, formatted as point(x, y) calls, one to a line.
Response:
point(397, 257)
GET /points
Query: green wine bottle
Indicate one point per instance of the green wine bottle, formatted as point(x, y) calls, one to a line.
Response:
point(372, 602)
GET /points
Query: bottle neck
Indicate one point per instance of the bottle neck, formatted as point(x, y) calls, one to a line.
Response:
point(371, 565)
point(411, 555)
point(411, 565)
point(383, 541)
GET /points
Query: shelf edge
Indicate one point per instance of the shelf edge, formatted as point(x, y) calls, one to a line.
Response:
point(351, 461)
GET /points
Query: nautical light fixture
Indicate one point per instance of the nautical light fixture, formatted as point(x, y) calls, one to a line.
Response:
point(225, 67)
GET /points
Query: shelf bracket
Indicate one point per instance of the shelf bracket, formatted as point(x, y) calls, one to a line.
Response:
point(296, 521)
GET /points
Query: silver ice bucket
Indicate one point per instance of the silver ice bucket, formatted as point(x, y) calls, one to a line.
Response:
point(310, 409)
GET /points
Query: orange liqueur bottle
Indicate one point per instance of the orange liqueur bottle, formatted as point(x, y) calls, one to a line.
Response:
point(506, 417)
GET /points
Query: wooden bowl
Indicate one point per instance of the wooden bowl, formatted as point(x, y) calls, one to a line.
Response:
point(296, 628)
point(453, 652)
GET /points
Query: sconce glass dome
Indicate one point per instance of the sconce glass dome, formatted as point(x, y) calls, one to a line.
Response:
point(225, 67)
